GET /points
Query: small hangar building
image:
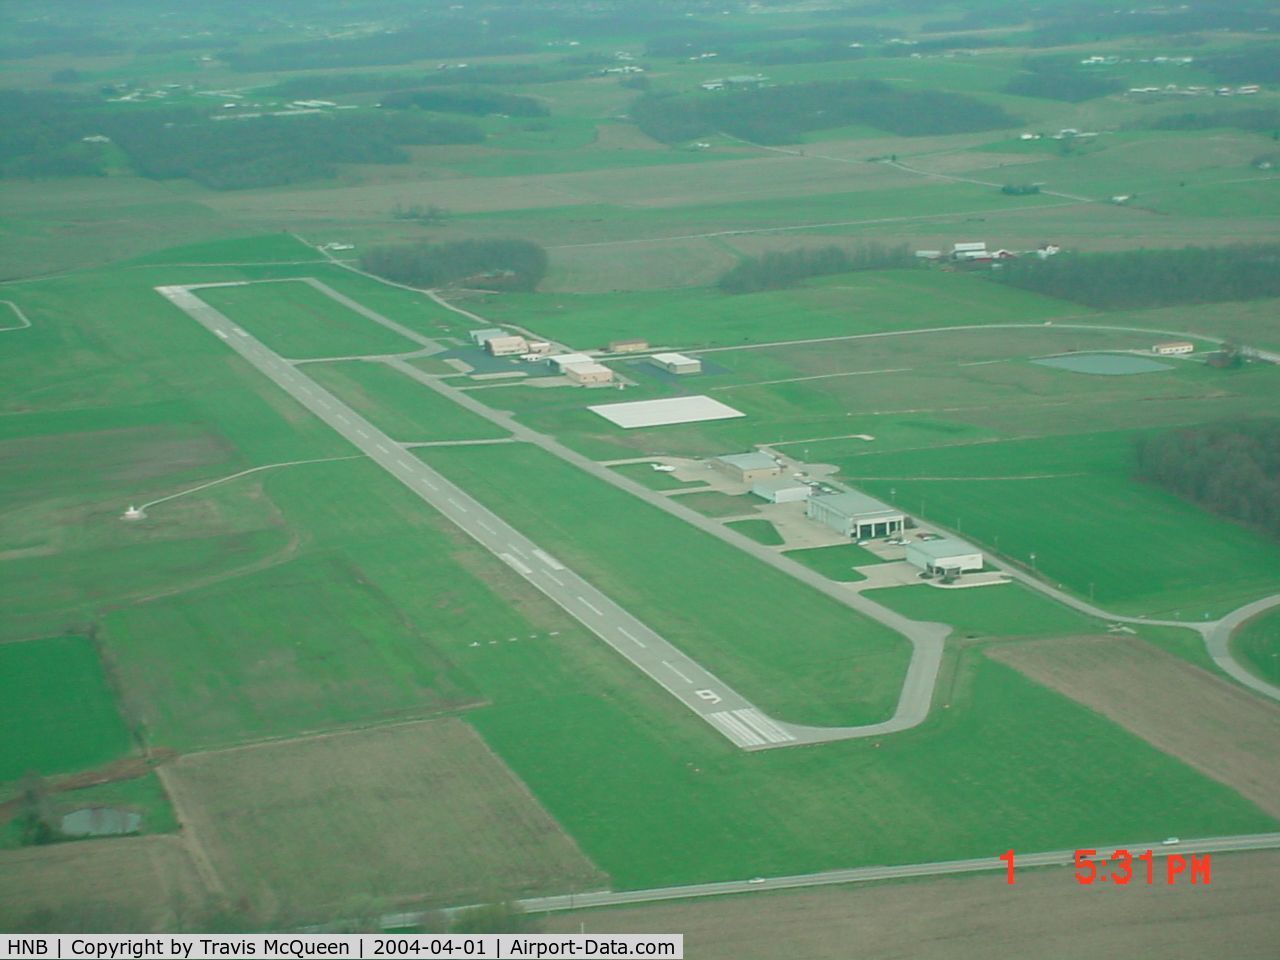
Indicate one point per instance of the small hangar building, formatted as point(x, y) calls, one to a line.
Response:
point(676, 363)
point(747, 467)
point(946, 556)
point(856, 515)
point(562, 360)
point(780, 490)
point(587, 373)
point(479, 337)
point(505, 346)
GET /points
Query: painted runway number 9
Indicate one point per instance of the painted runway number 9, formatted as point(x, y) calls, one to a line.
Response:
point(708, 695)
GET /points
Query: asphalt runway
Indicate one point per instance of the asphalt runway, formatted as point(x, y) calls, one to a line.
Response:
point(726, 710)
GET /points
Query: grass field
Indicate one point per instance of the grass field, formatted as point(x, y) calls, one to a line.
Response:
point(419, 813)
point(400, 406)
point(835, 306)
point(836, 563)
point(1257, 645)
point(994, 771)
point(761, 531)
point(57, 711)
point(643, 473)
point(834, 666)
point(1005, 610)
point(298, 321)
point(143, 795)
point(1103, 533)
point(716, 504)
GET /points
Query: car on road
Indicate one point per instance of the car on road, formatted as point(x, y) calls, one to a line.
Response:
point(1170, 841)
point(756, 880)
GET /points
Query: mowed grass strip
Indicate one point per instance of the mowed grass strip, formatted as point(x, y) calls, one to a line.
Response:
point(761, 531)
point(796, 653)
point(399, 405)
point(1257, 643)
point(999, 610)
point(1011, 764)
point(1074, 502)
point(298, 321)
point(854, 303)
point(836, 563)
point(421, 812)
point(57, 712)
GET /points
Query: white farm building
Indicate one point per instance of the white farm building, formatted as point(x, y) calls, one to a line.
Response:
point(1173, 348)
point(946, 556)
point(677, 363)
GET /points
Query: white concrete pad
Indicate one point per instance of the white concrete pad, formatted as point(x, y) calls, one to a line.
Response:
point(658, 413)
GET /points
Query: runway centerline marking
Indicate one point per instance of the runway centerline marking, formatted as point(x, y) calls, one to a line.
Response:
point(458, 505)
point(674, 669)
point(636, 640)
point(587, 604)
point(553, 578)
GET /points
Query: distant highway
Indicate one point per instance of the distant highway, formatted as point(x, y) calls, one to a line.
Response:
point(1052, 858)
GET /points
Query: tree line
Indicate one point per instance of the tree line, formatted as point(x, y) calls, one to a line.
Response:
point(1232, 469)
point(783, 114)
point(269, 151)
point(473, 101)
point(1260, 119)
point(1061, 78)
point(492, 264)
point(771, 271)
point(1152, 278)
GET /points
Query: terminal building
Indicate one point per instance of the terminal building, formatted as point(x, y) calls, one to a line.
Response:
point(747, 467)
point(946, 556)
point(856, 515)
point(676, 363)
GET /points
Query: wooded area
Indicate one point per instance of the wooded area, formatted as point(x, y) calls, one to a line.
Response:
point(781, 269)
point(1232, 469)
point(474, 101)
point(1152, 278)
point(782, 114)
point(491, 264)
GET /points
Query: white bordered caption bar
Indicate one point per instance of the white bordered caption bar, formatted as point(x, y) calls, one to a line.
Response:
point(490, 946)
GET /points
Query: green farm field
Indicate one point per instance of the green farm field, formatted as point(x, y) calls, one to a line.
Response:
point(835, 666)
point(855, 303)
point(57, 711)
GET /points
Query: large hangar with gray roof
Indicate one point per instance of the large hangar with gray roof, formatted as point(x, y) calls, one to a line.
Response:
point(856, 515)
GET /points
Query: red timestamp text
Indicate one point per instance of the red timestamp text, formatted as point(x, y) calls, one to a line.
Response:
point(1123, 867)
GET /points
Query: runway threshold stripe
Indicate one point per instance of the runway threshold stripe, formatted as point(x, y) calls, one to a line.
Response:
point(763, 725)
point(729, 725)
